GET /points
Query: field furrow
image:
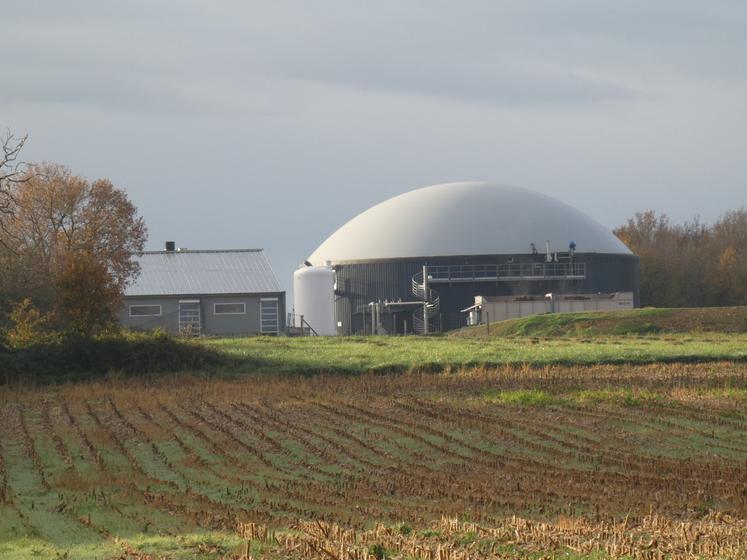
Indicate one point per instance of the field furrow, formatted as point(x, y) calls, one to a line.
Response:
point(148, 471)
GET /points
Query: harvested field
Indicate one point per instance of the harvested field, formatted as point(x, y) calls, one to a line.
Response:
point(645, 461)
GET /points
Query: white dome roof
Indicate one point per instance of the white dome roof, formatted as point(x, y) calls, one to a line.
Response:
point(467, 218)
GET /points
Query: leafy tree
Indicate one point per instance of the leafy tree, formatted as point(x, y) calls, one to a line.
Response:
point(730, 248)
point(649, 236)
point(87, 295)
point(71, 245)
point(28, 325)
point(691, 264)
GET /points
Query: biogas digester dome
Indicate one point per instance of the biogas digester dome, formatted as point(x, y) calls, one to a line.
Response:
point(475, 239)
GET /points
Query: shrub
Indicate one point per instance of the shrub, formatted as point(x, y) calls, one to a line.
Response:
point(77, 357)
point(29, 326)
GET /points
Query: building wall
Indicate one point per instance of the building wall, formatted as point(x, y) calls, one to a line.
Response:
point(359, 283)
point(212, 324)
point(508, 308)
point(168, 320)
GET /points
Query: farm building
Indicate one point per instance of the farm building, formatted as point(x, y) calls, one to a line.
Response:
point(415, 262)
point(233, 292)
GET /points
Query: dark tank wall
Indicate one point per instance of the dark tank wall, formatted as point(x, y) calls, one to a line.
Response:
point(359, 283)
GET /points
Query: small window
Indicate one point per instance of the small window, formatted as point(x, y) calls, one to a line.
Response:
point(145, 311)
point(229, 308)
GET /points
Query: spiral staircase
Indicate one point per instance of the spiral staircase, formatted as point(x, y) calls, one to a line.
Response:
point(432, 307)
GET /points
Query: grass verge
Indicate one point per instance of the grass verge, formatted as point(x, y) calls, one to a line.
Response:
point(644, 321)
point(596, 340)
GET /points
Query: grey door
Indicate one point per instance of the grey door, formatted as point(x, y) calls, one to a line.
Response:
point(189, 318)
point(268, 316)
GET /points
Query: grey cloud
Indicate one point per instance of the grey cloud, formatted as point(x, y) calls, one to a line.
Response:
point(125, 93)
point(140, 61)
point(496, 84)
point(149, 57)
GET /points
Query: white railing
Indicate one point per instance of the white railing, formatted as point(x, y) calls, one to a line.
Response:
point(505, 272)
point(432, 307)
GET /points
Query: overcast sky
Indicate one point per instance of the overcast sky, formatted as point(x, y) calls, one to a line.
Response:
point(270, 124)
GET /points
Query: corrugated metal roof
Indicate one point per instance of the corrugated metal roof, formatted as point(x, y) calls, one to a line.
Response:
point(244, 271)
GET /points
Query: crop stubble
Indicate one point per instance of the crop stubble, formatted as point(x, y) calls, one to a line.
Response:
point(331, 456)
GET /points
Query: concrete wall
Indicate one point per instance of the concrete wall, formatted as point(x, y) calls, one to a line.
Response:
point(500, 309)
point(212, 324)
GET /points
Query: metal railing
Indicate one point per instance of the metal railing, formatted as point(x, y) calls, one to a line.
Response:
point(298, 323)
point(432, 307)
point(504, 272)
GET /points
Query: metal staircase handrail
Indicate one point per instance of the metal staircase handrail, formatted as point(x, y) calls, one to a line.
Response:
point(291, 320)
point(432, 301)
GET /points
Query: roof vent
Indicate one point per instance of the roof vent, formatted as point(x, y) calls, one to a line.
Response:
point(170, 246)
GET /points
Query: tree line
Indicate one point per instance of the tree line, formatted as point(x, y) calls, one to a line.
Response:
point(67, 247)
point(691, 264)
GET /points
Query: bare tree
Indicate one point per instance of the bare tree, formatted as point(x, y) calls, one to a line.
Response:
point(12, 172)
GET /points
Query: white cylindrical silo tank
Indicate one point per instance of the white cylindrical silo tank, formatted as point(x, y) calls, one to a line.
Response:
point(314, 298)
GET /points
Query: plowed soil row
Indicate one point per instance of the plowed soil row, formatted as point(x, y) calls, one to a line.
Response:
point(131, 467)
